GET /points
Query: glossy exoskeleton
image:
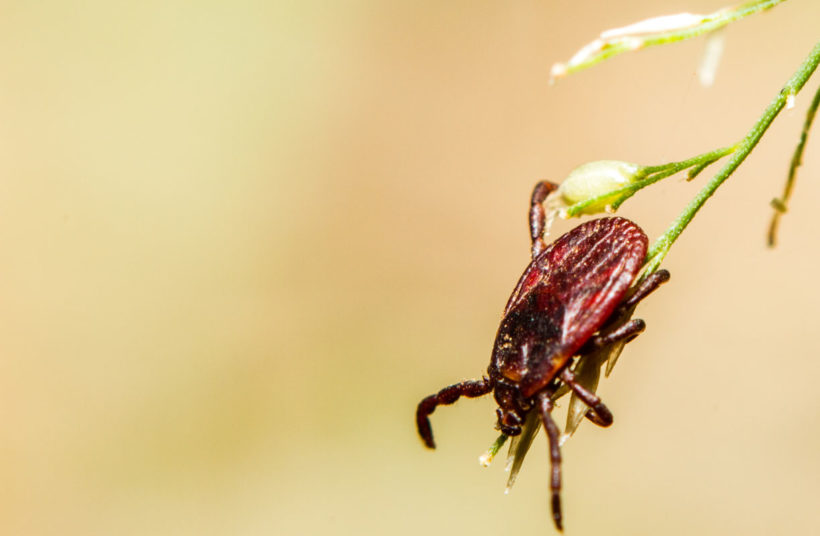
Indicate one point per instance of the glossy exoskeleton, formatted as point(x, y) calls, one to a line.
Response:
point(575, 297)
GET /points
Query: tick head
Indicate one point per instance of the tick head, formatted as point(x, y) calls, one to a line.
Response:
point(511, 407)
point(509, 422)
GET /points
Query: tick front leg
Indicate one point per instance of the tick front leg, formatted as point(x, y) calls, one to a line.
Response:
point(448, 395)
point(538, 216)
point(598, 412)
point(545, 406)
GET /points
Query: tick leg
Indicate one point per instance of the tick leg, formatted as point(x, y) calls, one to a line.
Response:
point(538, 215)
point(645, 288)
point(545, 406)
point(448, 395)
point(598, 412)
point(625, 332)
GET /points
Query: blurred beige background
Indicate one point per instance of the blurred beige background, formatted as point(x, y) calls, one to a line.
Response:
point(240, 240)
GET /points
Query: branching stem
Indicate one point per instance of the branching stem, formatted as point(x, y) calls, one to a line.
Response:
point(661, 246)
point(649, 175)
point(656, 31)
point(781, 204)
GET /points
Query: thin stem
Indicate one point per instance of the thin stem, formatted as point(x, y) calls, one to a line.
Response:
point(700, 161)
point(661, 246)
point(656, 31)
point(651, 175)
point(781, 204)
point(695, 171)
point(704, 158)
point(487, 458)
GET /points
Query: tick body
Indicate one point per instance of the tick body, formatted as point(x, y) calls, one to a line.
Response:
point(574, 297)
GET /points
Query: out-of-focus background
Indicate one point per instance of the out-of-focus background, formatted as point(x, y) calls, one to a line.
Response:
point(240, 240)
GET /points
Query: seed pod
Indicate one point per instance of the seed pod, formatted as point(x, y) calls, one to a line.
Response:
point(595, 179)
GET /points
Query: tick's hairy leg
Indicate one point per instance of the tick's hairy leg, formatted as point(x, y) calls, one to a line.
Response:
point(545, 406)
point(625, 332)
point(448, 395)
point(538, 216)
point(598, 412)
point(645, 288)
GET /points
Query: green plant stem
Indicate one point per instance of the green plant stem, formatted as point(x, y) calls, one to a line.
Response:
point(695, 171)
point(656, 173)
point(661, 246)
point(613, 46)
point(649, 175)
point(488, 456)
point(673, 167)
point(781, 204)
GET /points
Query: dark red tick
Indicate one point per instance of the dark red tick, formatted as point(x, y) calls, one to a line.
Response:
point(575, 297)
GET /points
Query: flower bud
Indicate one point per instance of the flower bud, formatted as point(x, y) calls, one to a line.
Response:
point(595, 179)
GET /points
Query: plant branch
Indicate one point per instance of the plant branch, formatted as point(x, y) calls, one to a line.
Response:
point(656, 31)
point(781, 204)
point(645, 176)
point(661, 246)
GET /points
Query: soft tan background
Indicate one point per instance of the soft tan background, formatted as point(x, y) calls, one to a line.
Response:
point(239, 241)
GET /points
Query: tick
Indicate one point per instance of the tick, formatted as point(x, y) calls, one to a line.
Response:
point(575, 297)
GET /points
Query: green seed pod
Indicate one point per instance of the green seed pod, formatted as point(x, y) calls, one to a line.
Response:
point(595, 179)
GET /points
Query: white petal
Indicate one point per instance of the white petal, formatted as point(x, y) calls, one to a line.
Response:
point(656, 24)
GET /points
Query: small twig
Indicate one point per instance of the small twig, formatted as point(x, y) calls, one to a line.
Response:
point(487, 458)
point(656, 31)
point(661, 246)
point(645, 176)
point(781, 204)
